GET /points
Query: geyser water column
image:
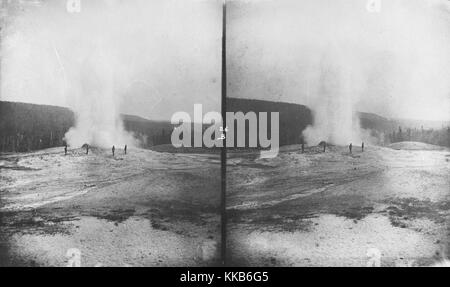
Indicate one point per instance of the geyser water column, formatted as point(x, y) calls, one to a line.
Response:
point(52, 56)
point(97, 103)
point(333, 114)
point(322, 53)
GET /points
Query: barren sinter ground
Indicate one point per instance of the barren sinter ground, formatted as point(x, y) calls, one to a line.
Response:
point(141, 209)
point(385, 205)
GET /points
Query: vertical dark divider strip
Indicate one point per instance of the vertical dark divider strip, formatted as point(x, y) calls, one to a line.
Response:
point(224, 148)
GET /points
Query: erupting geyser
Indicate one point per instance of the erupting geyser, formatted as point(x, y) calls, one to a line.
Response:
point(97, 104)
point(334, 120)
point(84, 61)
point(339, 58)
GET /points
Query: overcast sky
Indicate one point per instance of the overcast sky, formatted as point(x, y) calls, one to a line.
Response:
point(394, 63)
point(156, 57)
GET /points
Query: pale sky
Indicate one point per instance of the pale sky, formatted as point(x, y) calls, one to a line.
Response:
point(155, 57)
point(395, 63)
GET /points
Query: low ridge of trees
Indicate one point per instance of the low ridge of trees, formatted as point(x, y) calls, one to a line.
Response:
point(293, 118)
point(27, 127)
point(439, 137)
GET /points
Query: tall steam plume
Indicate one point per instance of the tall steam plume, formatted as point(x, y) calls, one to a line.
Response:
point(338, 57)
point(148, 58)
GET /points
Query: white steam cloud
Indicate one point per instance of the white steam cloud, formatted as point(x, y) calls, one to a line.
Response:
point(142, 57)
point(338, 57)
point(334, 120)
point(97, 102)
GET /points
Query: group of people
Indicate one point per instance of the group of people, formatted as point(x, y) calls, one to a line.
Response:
point(350, 147)
point(114, 150)
point(87, 149)
point(324, 144)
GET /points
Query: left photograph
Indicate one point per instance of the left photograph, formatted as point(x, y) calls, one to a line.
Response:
point(93, 95)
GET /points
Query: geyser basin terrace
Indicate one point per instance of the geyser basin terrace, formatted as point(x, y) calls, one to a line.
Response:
point(142, 209)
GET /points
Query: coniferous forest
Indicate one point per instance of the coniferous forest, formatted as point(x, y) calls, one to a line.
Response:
point(27, 127)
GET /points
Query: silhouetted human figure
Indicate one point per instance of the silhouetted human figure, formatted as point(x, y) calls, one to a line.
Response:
point(303, 147)
point(87, 149)
point(113, 150)
point(350, 147)
point(324, 146)
point(65, 149)
point(125, 149)
point(362, 146)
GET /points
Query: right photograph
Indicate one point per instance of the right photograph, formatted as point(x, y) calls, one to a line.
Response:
point(338, 133)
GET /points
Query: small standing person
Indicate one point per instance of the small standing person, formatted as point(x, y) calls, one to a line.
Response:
point(113, 150)
point(65, 149)
point(324, 146)
point(362, 146)
point(87, 149)
point(125, 149)
point(350, 147)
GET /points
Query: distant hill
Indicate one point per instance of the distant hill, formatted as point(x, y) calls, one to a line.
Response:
point(294, 118)
point(376, 122)
point(149, 132)
point(373, 121)
point(26, 127)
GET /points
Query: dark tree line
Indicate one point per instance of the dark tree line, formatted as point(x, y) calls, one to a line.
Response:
point(26, 127)
point(293, 118)
point(439, 137)
point(149, 133)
